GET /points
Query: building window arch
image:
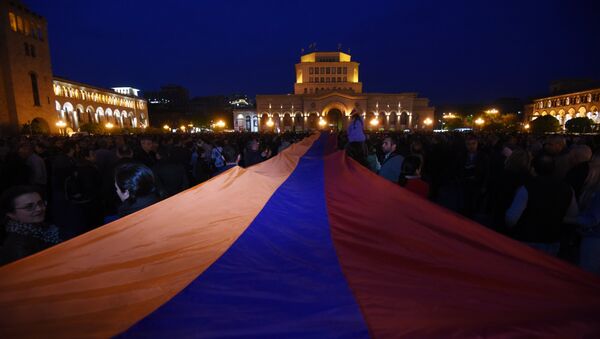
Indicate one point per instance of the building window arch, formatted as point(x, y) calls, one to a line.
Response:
point(35, 89)
point(13, 21)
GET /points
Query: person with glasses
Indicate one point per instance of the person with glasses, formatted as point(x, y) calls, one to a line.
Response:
point(25, 231)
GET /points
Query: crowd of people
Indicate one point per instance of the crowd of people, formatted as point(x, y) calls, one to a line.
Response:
point(541, 190)
point(56, 188)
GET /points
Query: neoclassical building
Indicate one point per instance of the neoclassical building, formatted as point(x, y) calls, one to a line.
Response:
point(30, 94)
point(568, 106)
point(327, 90)
point(78, 103)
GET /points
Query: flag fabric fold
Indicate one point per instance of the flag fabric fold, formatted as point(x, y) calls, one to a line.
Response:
point(307, 244)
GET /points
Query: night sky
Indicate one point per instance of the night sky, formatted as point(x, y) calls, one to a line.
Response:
point(449, 51)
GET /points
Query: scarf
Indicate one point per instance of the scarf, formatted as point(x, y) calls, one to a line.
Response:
point(48, 234)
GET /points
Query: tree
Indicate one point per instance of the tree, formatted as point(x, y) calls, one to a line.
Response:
point(579, 125)
point(91, 128)
point(544, 124)
point(453, 123)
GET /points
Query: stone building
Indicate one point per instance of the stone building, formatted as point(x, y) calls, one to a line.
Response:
point(30, 94)
point(245, 120)
point(25, 69)
point(327, 90)
point(77, 104)
point(567, 106)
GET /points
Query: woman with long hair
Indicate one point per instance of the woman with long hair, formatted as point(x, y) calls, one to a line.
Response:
point(135, 187)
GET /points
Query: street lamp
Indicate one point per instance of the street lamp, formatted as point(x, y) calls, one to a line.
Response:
point(270, 122)
point(479, 121)
point(166, 128)
point(109, 125)
point(322, 122)
point(526, 126)
point(428, 122)
point(220, 124)
point(61, 124)
point(374, 122)
point(492, 111)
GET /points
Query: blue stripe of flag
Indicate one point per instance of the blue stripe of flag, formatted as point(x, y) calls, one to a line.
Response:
point(281, 278)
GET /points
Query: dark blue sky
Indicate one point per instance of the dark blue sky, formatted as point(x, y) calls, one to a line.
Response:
point(449, 51)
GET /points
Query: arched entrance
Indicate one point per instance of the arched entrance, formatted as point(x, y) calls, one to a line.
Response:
point(335, 119)
point(312, 122)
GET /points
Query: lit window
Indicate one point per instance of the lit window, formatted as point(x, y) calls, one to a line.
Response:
point(19, 24)
point(34, 89)
point(13, 21)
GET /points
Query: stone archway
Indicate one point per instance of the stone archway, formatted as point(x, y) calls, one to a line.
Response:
point(334, 114)
point(287, 122)
point(312, 122)
point(335, 119)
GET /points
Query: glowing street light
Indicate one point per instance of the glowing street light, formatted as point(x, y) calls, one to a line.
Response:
point(374, 122)
point(526, 126)
point(166, 128)
point(220, 124)
point(322, 122)
point(182, 128)
point(449, 116)
point(270, 122)
point(61, 125)
point(428, 122)
point(479, 121)
point(492, 111)
point(109, 125)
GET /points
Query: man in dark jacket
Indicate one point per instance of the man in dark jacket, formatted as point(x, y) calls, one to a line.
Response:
point(540, 206)
point(391, 164)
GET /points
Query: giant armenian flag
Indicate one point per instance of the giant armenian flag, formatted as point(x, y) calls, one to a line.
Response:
point(307, 244)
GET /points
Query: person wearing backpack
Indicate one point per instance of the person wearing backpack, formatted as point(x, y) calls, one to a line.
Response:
point(217, 158)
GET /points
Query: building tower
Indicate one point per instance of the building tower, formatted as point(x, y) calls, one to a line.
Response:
point(321, 72)
point(26, 95)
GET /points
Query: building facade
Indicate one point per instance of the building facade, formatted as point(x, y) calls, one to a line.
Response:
point(245, 120)
point(77, 104)
point(567, 106)
point(327, 90)
point(31, 95)
point(26, 94)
